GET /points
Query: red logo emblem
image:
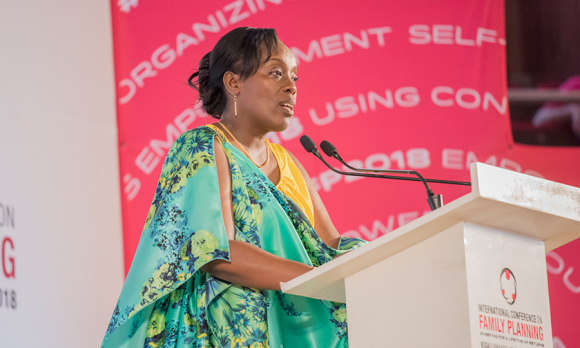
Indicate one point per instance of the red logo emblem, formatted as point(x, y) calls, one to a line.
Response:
point(508, 284)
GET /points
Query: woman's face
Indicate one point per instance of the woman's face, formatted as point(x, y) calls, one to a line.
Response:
point(266, 99)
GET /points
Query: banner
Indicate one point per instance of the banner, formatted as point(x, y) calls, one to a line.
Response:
point(405, 85)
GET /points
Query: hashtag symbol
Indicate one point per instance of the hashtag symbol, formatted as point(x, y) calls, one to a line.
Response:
point(125, 5)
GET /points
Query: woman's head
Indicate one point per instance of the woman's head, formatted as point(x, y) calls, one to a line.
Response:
point(241, 51)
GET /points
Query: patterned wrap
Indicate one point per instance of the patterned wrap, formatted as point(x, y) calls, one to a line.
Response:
point(167, 301)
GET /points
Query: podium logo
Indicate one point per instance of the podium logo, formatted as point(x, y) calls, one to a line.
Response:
point(508, 285)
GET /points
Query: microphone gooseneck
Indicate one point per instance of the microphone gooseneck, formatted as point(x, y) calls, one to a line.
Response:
point(330, 151)
point(435, 201)
point(310, 147)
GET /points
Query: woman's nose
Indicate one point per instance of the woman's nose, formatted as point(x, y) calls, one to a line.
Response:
point(290, 87)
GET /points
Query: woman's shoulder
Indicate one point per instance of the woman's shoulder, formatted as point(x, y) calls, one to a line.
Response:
point(193, 141)
point(196, 136)
point(286, 155)
point(200, 131)
point(279, 149)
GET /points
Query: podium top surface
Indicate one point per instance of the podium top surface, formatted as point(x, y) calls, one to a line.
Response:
point(500, 199)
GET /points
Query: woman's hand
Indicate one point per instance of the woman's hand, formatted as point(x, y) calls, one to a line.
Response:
point(255, 268)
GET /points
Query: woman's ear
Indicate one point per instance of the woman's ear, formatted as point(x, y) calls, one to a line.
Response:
point(232, 82)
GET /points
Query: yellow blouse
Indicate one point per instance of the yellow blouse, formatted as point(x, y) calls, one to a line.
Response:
point(291, 182)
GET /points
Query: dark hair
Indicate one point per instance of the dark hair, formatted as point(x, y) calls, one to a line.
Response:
point(239, 51)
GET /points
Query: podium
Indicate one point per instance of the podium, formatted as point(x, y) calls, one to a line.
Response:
point(469, 274)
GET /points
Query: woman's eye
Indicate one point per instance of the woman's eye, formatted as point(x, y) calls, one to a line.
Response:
point(277, 73)
point(295, 79)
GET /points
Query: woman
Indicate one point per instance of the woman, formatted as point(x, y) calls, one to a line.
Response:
point(232, 217)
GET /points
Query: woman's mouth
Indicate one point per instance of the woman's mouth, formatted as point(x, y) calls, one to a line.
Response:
point(288, 107)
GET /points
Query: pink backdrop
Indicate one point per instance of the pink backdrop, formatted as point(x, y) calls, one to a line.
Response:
point(393, 84)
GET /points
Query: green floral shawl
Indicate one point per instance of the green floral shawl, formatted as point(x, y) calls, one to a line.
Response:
point(168, 302)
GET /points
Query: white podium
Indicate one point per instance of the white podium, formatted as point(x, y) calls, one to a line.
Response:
point(470, 274)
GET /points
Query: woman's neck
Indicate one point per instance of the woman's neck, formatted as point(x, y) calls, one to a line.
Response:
point(249, 137)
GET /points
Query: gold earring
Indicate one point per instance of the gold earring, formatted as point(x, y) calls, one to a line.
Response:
point(235, 106)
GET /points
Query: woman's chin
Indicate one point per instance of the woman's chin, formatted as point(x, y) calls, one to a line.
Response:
point(282, 126)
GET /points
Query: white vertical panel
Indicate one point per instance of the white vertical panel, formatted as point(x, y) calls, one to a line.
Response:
point(513, 310)
point(58, 173)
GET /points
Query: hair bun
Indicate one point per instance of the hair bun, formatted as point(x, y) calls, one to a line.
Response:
point(208, 95)
point(203, 79)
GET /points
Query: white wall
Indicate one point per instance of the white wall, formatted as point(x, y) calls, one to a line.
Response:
point(58, 174)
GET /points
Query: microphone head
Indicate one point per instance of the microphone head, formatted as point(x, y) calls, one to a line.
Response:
point(328, 148)
point(308, 144)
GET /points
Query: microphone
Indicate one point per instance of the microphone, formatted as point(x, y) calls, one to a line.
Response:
point(309, 145)
point(435, 201)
